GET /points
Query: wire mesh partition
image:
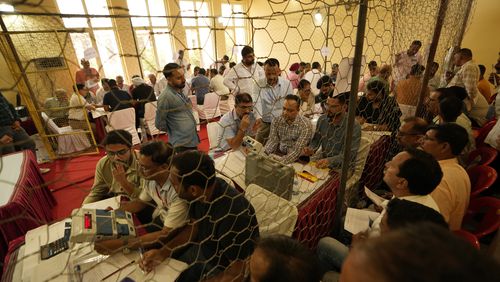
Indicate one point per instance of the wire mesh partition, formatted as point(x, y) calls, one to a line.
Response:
point(325, 108)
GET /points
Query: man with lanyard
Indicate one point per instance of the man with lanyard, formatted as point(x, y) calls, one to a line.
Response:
point(171, 212)
point(269, 97)
point(174, 113)
point(237, 123)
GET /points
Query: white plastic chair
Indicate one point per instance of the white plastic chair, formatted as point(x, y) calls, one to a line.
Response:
point(70, 143)
point(196, 116)
point(274, 214)
point(150, 117)
point(213, 131)
point(210, 107)
point(124, 119)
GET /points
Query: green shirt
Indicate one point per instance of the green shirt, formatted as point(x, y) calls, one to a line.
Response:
point(105, 186)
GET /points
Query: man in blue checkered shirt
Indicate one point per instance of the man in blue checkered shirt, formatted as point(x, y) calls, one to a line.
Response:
point(12, 135)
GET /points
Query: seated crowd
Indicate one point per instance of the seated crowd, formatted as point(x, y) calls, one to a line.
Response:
point(197, 217)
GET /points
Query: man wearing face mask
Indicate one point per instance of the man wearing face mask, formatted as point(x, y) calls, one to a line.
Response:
point(330, 134)
point(171, 211)
point(117, 172)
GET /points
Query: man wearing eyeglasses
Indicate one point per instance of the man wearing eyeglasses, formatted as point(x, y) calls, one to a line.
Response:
point(170, 212)
point(411, 131)
point(117, 172)
point(237, 123)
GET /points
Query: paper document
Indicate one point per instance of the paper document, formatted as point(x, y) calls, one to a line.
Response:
point(103, 204)
point(376, 199)
point(99, 112)
point(167, 271)
point(357, 220)
point(114, 268)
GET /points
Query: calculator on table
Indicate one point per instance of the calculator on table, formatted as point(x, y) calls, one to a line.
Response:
point(58, 246)
point(54, 248)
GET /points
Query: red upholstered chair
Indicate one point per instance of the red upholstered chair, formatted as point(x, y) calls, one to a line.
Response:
point(469, 237)
point(483, 132)
point(481, 178)
point(482, 216)
point(485, 154)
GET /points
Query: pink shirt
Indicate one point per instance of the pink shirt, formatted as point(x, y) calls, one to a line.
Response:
point(294, 79)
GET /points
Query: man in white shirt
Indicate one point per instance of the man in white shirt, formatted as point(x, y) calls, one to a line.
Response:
point(217, 84)
point(160, 86)
point(269, 97)
point(411, 175)
point(313, 76)
point(171, 211)
point(181, 61)
point(405, 60)
point(242, 77)
point(99, 95)
point(121, 84)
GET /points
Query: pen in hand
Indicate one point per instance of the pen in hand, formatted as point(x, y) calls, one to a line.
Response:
point(141, 252)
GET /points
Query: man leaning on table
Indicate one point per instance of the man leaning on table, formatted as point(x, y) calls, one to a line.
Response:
point(171, 212)
point(290, 132)
point(330, 134)
point(237, 123)
point(117, 172)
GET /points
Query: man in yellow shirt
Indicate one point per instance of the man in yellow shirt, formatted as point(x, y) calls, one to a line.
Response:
point(445, 142)
point(484, 86)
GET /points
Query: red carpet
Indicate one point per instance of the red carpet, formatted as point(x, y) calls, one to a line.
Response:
point(70, 179)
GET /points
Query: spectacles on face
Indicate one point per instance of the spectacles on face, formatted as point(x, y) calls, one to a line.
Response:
point(117, 153)
point(245, 107)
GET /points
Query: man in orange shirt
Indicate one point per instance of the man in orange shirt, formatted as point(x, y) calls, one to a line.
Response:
point(484, 85)
point(445, 142)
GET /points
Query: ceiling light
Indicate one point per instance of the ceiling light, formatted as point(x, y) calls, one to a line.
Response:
point(318, 17)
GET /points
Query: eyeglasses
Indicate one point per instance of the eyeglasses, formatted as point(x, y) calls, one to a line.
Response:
point(117, 153)
point(245, 107)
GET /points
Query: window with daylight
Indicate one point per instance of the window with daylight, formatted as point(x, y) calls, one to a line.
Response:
point(233, 22)
point(152, 33)
point(199, 35)
point(98, 34)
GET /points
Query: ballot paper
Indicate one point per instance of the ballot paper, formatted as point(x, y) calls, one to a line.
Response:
point(376, 199)
point(357, 220)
